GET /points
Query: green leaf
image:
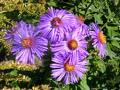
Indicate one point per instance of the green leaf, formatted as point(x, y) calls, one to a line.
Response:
point(92, 8)
point(55, 88)
point(52, 3)
point(110, 53)
point(111, 16)
point(15, 84)
point(83, 84)
point(112, 31)
point(14, 73)
point(116, 2)
point(65, 87)
point(100, 65)
point(98, 18)
point(115, 43)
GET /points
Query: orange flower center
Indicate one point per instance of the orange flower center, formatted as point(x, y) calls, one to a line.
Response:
point(72, 44)
point(56, 22)
point(102, 37)
point(81, 19)
point(69, 67)
point(27, 42)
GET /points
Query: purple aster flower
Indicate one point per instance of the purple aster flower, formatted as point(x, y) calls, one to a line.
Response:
point(82, 27)
point(99, 39)
point(74, 43)
point(27, 43)
point(62, 69)
point(53, 24)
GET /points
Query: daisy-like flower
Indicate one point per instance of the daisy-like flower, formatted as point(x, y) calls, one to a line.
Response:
point(99, 39)
point(74, 43)
point(62, 69)
point(83, 28)
point(27, 43)
point(53, 24)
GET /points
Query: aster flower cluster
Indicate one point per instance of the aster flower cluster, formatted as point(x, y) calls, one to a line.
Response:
point(66, 34)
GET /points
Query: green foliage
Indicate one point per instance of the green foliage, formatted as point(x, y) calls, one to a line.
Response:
point(102, 74)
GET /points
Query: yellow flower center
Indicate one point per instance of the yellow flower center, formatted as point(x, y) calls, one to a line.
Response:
point(102, 37)
point(27, 42)
point(69, 67)
point(56, 22)
point(72, 44)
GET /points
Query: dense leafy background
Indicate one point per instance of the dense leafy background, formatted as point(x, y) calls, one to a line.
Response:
point(102, 73)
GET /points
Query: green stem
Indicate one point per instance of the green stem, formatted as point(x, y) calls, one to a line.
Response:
point(103, 25)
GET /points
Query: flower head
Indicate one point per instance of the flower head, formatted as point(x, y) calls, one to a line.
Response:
point(99, 39)
point(27, 43)
point(54, 23)
point(83, 28)
point(70, 73)
point(74, 43)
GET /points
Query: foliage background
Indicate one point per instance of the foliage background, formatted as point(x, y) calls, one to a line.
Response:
point(102, 74)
